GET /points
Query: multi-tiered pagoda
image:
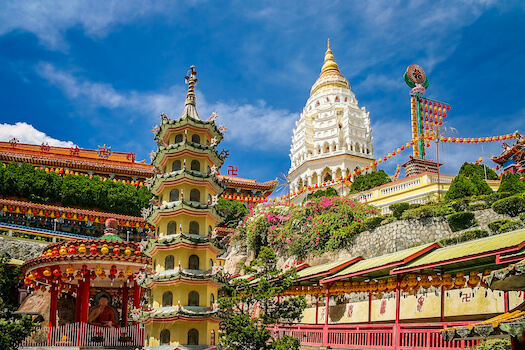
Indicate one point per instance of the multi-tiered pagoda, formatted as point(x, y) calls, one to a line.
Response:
point(181, 285)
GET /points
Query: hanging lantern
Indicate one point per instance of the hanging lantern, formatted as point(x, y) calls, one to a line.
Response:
point(412, 281)
point(129, 271)
point(93, 249)
point(71, 249)
point(84, 270)
point(78, 276)
point(37, 275)
point(70, 269)
point(473, 279)
point(54, 251)
point(447, 281)
point(102, 274)
point(64, 277)
point(56, 272)
point(104, 249)
point(116, 249)
point(425, 282)
point(47, 272)
point(127, 251)
point(98, 269)
point(460, 280)
point(113, 270)
point(121, 276)
point(137, 252)
point(63, 250)
point(82, 248)
point(436, 281)
point(381, 286)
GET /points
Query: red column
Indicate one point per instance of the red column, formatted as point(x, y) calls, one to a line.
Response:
point(369, 307)
point(506, 301)
point(316, 308)
point(78, 305)
point(327, 311)
point(53, 308)
point(125, 299)
point(136, 295)
point(442, 307)
point(84, 309)
point(396, 329)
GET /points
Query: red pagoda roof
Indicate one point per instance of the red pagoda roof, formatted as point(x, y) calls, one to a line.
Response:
point(233, 181)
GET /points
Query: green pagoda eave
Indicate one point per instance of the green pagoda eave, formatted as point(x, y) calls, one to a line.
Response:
point(183, 207)
point(173, 312)
point(187, 120)
point(177, 274)
point(170, 240)
point(196, 148)
point(159, 179)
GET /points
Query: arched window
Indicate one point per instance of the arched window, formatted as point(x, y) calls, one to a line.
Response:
point(195, 165)
point(195, 195)
point(212, 337)
point(193, 337)
point(155, 264)
point(211, 263)
point(172, 227)
point(210, 231)
point(212, 299)
point(194, 227)
point(165, 337)
point(169, 262)
point(167, 299)
point(193, 298)
point(195, 138)
point(178, 138)
point(174, 195)
point(176, 165)
point(194, 262)
point(209, 198)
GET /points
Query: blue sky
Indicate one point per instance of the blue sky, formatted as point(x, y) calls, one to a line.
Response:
point(101, 72)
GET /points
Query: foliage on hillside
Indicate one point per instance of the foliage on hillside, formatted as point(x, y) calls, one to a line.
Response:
point(511, 183)
point(462, 187)
point(471, 169)
point(329, 192)
point(322, 224)
point(234, 211)
point(370, 180)
point(38, 186)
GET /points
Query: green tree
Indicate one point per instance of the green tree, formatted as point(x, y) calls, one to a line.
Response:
point(461, 187)
point(13, 328)
point(242, 329)
point(329, 192)
point(481, 185)
point(511, 183)
point(370, 180)
point(234, 211)
point(471, 169)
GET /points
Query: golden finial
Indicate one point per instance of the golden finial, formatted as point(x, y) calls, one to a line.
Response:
point(191, 81)
point(329, 65)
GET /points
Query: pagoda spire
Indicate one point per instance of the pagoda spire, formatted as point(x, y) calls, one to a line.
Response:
point(329, 66)
point(190, 106)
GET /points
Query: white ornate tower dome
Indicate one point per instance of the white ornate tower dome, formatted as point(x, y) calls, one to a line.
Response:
point(333, 136)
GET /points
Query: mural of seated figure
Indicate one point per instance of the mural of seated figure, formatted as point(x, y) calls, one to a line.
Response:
point(103, 315)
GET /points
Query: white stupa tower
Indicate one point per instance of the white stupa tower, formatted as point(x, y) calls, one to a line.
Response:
point(333, 136)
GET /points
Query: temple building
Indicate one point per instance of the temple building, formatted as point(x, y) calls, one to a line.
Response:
point(333, 136)
point(182, 286)
point(512, 158)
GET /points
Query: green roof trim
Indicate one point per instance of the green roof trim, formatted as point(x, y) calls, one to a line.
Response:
point(158, 179)
point(188, 120)
point(111, 237)
point(479, 248)
point(322, 270)
point(382, 262)
point(187, 145)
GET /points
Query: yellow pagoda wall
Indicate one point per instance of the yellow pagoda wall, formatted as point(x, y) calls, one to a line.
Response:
point(203, 189)
point(202, 160)
point(181, 293)
point(185, 219)
point(205, 139)
point(179, 330)
point(183, 255)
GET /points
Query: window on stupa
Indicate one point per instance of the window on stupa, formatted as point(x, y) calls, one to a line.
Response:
point(174, 195)
point(193, 337)
point(195, 165)
point(212, 337)
point(194, 227)
point(195, 195)
point(155, 264)
point(211, 263)
point(165, 337)
point(176, 165)
point(193, 298)
point(172, 227)
point(167, 299)
point(195, 138)
point(212, 299)
point(169, 262)
point(178, 138)
point(194, 262)
point(209, 198)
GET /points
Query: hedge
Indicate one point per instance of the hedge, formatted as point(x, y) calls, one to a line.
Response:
point(398, 209)
point(373, 222)
point(465, 236)
point(494, 344)
point(460, 221)
point(495, 225)
point(512, 206)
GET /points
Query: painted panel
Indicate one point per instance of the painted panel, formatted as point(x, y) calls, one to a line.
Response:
point(472, 303)
point(516, 299)
point(384, 309)
point(420, 306)
point(349, 313)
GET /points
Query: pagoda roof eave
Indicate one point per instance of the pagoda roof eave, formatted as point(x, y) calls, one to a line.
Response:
point(155, 213)
point(170, 241)
point(232, 181)
point(169, 126)
point(163, 153)
point(160, 181)
point(186, 276)
point(170, 312)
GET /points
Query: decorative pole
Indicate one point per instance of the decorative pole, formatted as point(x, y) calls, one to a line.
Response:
point(416, 79)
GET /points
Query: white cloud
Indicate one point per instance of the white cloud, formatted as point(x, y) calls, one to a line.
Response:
point(26, 133)
point(254, 125)
point(50, 20)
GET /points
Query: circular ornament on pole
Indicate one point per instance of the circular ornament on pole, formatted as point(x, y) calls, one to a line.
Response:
point(416, 74)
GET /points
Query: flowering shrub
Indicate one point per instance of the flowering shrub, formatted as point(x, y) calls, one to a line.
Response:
point(320, 225)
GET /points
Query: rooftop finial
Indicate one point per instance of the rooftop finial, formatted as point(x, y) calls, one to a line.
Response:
point(328, 46)
point(329, 65)
point(190, 105)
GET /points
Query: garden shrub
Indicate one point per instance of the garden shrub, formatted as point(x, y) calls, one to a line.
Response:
point(481, 185)
point(421, 212)
point(329, 192)
point(373, 222)
point(511, 183)
point(471, 169)
point(389, 219)
point(370, 180)
point(512, 206)
point(476, 206)
point(510, 226)
point(461, 187)
point(494, 344)
point(460, 204)
point(398, 209)
point(496, 196)
point(495, 225)
point(460, 221)
point(465, 236)
point(522, 217)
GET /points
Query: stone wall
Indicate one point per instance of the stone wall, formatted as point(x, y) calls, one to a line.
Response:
point(20, 248)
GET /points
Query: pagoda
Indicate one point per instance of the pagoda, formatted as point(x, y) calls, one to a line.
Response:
point(182, 288)
point(333, 136)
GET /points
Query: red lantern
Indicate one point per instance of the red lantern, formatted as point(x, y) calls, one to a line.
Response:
point(93, 249)
point(116, 249)
point(137, 252)
point(71, 249)
point(113, 270)
point(57, 272)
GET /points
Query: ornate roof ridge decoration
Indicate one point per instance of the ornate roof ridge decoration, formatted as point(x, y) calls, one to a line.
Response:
point(515, 151)
point(173, 239)
point(219, 157)
point(177, 311)
point(165, 125)
point(175, 274)
point(83, 212)
point(232, 180)
point(82, 258)
point(329, 73)
point(182, 173)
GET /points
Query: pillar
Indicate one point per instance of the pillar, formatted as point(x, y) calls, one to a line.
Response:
point(53, 308)
point(369, 307)
point(316, 308)
point(125, 299)
point(442, 307)
point(78, 305)
point(84, 309)
point(326, 314)
point(136, 295)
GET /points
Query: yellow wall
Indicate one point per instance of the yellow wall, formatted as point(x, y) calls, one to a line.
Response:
point(181, 291)
point(203, 189)
point(179, 332)
point(203, 163)
point(184, 219)
point(204, 138)
point(183, 255)
point(516, 299)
